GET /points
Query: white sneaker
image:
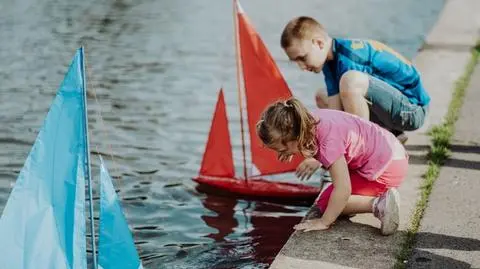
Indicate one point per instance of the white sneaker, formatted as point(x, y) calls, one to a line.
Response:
point(386, 208)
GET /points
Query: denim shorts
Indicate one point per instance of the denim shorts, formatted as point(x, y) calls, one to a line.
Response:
point(391, 109)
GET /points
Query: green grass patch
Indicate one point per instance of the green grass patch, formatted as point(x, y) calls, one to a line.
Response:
point(438, 154)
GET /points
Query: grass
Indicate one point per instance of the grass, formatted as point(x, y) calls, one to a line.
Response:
point(439, 152)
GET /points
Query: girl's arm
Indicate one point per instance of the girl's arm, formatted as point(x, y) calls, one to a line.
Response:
point(342, 189)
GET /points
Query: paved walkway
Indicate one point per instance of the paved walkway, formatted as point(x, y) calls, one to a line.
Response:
point(449, 236)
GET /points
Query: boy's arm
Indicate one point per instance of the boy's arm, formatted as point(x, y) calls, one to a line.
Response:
point(334, 102)
point(333, 92)
point(325, 101)
point(342, 189)
point(321, 98)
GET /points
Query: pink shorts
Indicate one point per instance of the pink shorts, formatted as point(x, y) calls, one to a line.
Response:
point(392, 177)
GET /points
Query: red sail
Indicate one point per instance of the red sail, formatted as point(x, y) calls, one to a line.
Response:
point(218, 159)
point(264, 85)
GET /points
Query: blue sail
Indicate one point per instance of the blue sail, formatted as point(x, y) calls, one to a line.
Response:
point(116, 249)
point(43, 223)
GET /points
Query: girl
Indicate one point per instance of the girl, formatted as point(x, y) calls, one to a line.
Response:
point(366, 162)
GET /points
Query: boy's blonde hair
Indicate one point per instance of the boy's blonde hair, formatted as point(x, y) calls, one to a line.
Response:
point(286, 121)
point(301, 28)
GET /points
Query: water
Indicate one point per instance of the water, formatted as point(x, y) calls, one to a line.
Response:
point(155, 67)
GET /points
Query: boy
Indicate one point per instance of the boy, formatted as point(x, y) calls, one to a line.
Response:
point(363, 77)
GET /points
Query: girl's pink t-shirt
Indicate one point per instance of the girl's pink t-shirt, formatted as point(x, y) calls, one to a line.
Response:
point(367, 147)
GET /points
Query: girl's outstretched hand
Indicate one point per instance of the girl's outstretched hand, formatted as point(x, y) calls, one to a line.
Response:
point(306, 168)
point(311, 225)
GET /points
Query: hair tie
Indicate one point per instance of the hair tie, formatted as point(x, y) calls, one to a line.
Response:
point(286, 103)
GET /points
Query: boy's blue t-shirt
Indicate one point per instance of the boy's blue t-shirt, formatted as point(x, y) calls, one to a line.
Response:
point(378, 60)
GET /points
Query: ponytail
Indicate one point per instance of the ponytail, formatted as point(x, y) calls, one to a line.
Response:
point(286, 121)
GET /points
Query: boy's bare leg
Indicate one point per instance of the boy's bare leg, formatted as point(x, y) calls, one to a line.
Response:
point(353, 88)
point(334, 102)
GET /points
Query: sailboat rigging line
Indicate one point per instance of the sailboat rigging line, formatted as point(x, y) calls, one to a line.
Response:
point(101, 121)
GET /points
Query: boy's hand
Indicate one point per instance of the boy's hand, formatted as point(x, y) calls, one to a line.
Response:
point(321, 98)
point(306, 168)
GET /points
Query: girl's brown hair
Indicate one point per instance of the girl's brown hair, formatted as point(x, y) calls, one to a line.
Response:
point(286, 121)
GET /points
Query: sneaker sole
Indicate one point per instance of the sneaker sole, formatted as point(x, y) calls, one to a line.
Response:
point(391, 218)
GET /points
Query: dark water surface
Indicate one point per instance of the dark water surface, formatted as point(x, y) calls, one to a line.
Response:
point(155, 67)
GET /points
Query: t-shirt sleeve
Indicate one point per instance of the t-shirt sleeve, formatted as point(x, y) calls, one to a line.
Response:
point(332, 87)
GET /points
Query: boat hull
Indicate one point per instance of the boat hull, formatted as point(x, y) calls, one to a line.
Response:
point(260, 188)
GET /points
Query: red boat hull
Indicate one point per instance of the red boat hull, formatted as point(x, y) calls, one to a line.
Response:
point(260, 188)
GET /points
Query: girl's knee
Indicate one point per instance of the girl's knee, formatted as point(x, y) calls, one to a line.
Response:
point(322, 204)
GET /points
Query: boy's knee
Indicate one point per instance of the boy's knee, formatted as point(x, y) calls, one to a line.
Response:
point(353, 84)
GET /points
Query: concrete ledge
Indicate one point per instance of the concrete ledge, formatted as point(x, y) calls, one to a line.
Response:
point(449, 236)
point(291, 263)
point(357, 243)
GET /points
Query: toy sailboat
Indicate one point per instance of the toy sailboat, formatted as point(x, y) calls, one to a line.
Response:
point(43, 225)
point(263, 85)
